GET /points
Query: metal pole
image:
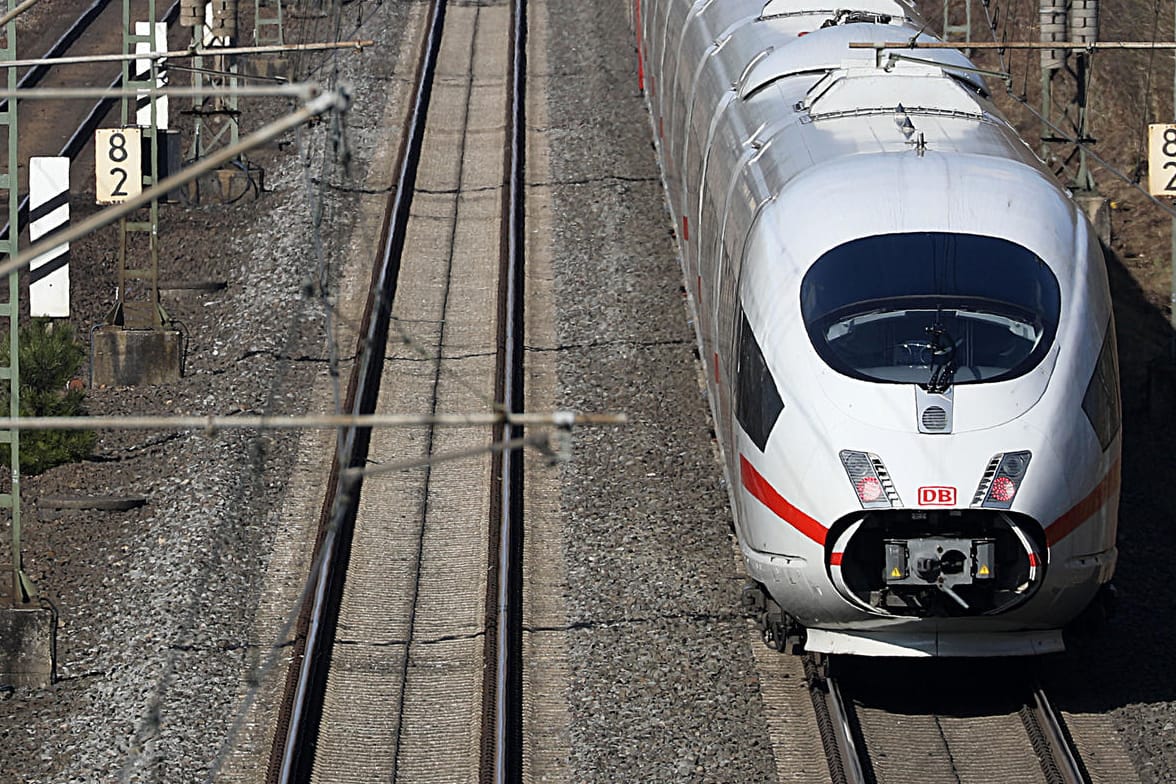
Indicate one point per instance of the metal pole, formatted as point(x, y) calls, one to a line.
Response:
point(149, 313)
point(216, 119)
point(965, 28)
point(1084, 181)
point(116, 315)
point(158, 315)
point(214, 423)
point(267, 27)
point(22, 590)
point(1082, 26)
point(1052, 16)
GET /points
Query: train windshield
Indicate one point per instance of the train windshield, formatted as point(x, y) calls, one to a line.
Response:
point(931, 308)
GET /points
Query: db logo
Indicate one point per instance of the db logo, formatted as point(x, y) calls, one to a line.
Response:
point(937, 496)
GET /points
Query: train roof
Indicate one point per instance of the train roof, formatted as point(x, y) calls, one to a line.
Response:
point(933, 191)
point(828, 49)
point(892, 8)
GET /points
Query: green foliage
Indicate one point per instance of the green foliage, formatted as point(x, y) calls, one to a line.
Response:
point(50, 357)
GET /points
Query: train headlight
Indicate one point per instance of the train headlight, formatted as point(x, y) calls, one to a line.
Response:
point(1001, 480)
point(870, 480)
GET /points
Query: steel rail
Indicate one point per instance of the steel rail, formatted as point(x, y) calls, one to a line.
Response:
point(35, 74)
point(846, 749)
point(293, 753)
point(1060, 761)
point(508, 464)
point(844, 754)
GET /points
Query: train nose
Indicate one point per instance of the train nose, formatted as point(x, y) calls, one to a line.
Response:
point(921, 564)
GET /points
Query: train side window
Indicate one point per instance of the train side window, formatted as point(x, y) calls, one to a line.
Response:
point(757, 401)
point(1101, 401)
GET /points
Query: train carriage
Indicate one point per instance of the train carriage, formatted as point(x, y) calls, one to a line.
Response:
point(906, 325)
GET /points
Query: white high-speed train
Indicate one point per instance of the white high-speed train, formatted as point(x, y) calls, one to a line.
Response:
point(906, 326)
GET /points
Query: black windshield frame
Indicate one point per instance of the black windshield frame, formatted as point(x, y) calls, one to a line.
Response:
point(1002, 295)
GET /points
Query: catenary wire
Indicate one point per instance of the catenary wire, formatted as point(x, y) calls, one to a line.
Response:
point(1105, 164)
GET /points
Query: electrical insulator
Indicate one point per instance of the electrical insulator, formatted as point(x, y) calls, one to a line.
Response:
point(1084, 21)
point(1053, 29)
point(224, 19)
point(191, 13)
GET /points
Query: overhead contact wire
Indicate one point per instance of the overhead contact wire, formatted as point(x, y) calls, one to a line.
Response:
point(1109, 167)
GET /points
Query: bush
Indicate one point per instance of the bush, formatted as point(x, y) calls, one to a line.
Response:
point(50, 356)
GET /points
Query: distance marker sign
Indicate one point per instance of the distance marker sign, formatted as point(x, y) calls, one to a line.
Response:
point(1161, 159)
point(118, 164)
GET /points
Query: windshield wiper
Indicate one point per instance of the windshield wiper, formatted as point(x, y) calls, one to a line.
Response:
point(943, 365)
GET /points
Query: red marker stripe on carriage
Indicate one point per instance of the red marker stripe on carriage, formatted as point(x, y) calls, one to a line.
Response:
point(767, 495)
point(640, 54)
point(1084, 509)
point(835, 559)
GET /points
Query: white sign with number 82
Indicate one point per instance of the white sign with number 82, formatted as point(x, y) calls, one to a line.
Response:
point(1161, 159)
point(118, 164)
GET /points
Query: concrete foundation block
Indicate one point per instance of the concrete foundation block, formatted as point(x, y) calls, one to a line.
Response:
point(226, 185)
point(27, 644)
point(121, 357)
point(236, 182)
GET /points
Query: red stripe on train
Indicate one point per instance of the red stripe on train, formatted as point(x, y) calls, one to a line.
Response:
point(640, 54)
point(1084, 509)
point(767, 495)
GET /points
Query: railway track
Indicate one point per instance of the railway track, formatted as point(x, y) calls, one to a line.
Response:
point(420, 633)
point(945, 721)
point(410, 657)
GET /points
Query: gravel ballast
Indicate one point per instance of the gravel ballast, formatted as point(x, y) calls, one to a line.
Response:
point(156, 605)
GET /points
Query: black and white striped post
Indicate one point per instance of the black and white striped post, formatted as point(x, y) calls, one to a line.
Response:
point(48, 214)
